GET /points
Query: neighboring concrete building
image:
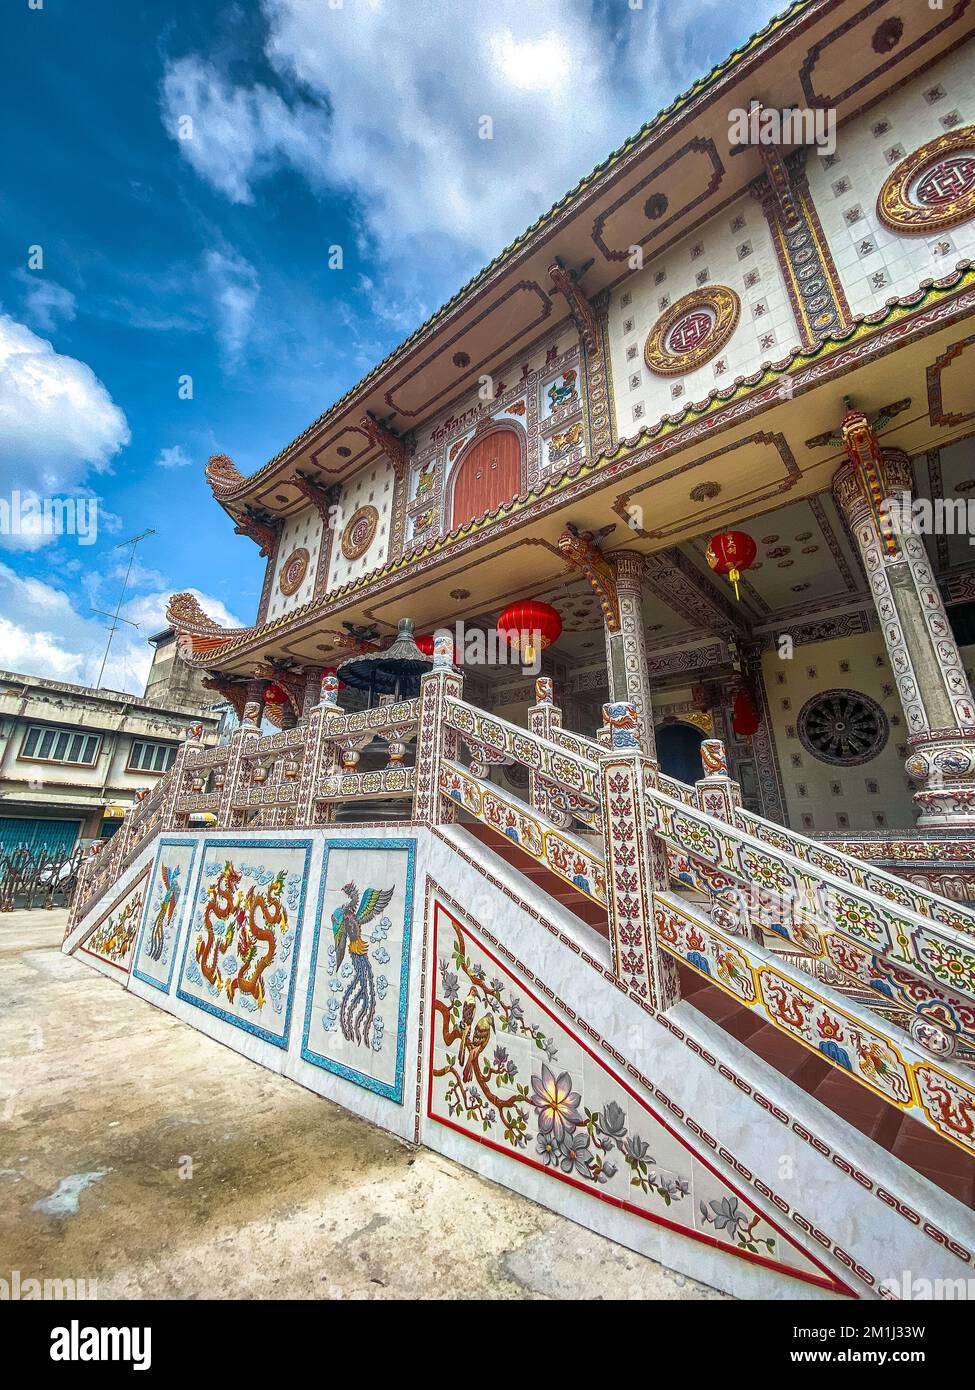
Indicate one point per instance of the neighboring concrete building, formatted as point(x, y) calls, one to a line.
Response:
point(72, 758)
point(171, 682)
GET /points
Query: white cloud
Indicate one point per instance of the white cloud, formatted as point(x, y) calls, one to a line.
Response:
point(237, 135)
point(387, 100)
point(42, 633)
point(173, 457)
point(58, 423)
point(46, 303)
point(233, 287)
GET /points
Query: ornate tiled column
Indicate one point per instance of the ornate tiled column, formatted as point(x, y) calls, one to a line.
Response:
point(635, 869)
point(434, 740)
point(626, 649)
point(931, 680)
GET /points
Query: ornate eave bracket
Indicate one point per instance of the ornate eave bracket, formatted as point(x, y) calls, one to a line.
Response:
point(582, 311)
point(777, 172)
point(322, 499)
point(396, 450)
point(580, 552)
point(264, 535)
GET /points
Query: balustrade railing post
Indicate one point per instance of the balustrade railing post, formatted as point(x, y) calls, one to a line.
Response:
point(242, 740)
point(719, 795)
point(544, 717)
point(321, 755)
point(176, 777)
point(434, 740)
point(636, 867)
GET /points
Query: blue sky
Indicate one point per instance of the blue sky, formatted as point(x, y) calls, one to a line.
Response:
point(185, 171)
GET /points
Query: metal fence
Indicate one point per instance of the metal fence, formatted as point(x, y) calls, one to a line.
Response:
point(36, 878)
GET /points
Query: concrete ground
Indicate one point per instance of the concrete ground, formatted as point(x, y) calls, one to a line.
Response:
point(136, 1152)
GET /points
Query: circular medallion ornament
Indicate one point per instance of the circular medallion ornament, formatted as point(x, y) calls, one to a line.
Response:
point(692, 331)
point(843, 727)
point(293, 572)
point(360, 533)
point(933, 188)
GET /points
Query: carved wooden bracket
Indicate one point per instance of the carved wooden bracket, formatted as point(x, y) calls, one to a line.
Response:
point(234, 692)
point(391, 444)
point(264, 536)
point(322, 498)
point(580, 551)
point(583, 314)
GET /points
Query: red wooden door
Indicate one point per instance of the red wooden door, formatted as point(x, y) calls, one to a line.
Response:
point(487, 476)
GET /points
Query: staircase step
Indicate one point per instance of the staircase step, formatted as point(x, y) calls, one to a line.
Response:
point(541, 877)
point(942, 1163)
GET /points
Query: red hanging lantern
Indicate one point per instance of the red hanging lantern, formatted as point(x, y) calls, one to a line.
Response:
point(730, 553)
point(275, 694)
point(744, 716)
point(531, 626)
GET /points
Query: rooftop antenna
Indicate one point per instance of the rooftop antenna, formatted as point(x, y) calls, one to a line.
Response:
point(133, 541)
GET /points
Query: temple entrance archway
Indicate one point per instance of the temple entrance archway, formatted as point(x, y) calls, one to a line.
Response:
point(679, 751)
point(487, 474)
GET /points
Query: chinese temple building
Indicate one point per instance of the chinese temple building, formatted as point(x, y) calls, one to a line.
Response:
point(699, 866)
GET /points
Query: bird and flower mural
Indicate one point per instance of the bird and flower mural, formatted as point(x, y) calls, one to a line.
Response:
point(355, 1018)
point(155, 955)
point(505, 1072)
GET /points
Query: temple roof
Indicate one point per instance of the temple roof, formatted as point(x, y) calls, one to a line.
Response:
point(677, 171)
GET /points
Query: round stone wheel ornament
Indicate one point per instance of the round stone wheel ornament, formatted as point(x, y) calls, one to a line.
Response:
point(843, 727)
point(933, 188)
point(692, 331)
point(360, 532)
point(293, 571)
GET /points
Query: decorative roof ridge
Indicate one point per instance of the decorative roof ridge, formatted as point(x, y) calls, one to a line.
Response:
point(894, 306)
point(719, 70)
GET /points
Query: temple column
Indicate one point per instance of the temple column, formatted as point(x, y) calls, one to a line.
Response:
point(931, 680)
point(626, 649)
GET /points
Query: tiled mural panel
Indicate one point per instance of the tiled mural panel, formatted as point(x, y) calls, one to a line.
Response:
point(241, 949)
point(371, 488)
point(302, 532)
point(165, 910)
point(506, 1073)
point(358, 994)
point(875, 263)
point(112, 938)
point(827, 796)
point(735, 250)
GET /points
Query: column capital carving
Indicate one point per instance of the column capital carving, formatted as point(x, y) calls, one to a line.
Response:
point(629, 566)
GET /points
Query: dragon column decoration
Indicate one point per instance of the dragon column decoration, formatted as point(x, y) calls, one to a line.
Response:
point(580, 551)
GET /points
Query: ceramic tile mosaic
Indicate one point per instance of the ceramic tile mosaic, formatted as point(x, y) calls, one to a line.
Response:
point(165, 910)
point(358, 992)
point(242, 945)
point(112, 937)
point(505, 1072)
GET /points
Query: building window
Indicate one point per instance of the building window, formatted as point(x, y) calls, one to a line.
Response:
point(42, 744)
point(151, 757)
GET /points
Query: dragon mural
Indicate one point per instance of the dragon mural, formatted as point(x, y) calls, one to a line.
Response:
point(248, 922)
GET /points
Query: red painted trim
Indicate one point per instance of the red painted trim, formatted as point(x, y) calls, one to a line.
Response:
point(829, 1281)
